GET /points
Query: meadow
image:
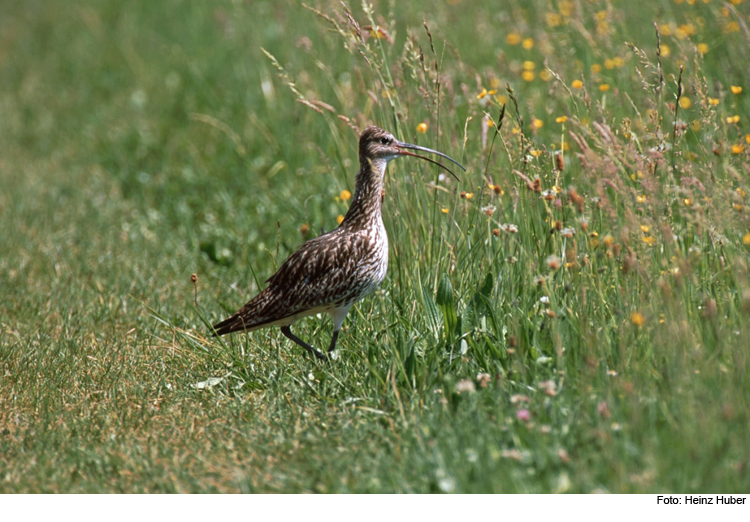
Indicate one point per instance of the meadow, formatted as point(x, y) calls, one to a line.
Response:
point(573, 315)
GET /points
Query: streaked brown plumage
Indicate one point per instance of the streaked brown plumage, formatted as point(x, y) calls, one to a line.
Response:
point(331, 272)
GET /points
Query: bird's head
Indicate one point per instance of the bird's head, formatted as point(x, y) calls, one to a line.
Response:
point(378, 147)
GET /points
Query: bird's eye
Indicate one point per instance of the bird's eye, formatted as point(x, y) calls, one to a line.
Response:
point(385, 141)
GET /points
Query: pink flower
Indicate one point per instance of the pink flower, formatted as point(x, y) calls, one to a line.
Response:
point(523, 415)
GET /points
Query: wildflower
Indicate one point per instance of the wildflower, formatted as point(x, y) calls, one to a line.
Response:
point(345, 195)
point(539, 281)
point(695, 125)
point(548, 194)
point(513, 38)
point(483, 379)
point(528, 65)
point(528, 43)
point(422, 128)
point(604, 87)
point(559, 161)
point(497, 189)
point(537, 123)
point(516, 398)
point(619, 62)
point(304, 229)
point(528, 76)
point(603, 409)
point(649, 240)
point(444, 210)
point(738, 148)
point(488, 210)
point(640, 198)
point(545, 75)
point(637, 319)
point(523, 415)
point(466, 195)
point(544, 299)
point(685, 102)
point(736, 89)
point(739, 190)
point(553, 262)
point(596, 68)
point(549, 387)
point(561, 119)
point(746, 239)
point(510, 228)
point(495, 232)
point(687, 202)
point(702, 48)
point(612, 373)
point(535, 153)
point(713, 101)
point(577, 84)
point(339, 219)
point(553, 19)
point(747, 139)
point(485, 92)
point(465, 386)
point(645, 229)
point(665, 50)
point(733, 119)
point(568, 232)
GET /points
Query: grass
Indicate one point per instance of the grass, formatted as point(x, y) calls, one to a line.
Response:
point(541, 329)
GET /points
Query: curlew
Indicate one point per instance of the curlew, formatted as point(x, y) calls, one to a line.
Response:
point(333, 271)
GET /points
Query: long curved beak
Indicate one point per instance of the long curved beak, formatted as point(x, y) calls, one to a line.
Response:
point(401, 145)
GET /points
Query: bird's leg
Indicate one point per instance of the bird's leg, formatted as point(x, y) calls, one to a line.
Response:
point(289, 335)
point(333, 341)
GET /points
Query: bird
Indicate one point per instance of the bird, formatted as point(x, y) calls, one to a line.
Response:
point(331, 272)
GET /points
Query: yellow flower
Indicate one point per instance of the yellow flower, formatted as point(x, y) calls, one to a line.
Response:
point(702, 48)
point(345, 195)
point(685, 102)
point(528, 65)
point(649, 240)
point(577, 84)
point(665, 50)
point(596, 68)
point(665, 29)
point(544, 75)
point(736, 89)
point(619, 62)
point(528, 43)
point(687, 202)
point(741, 192)
point(604, 87)
point(738, 149)
point(609, 64)
point(553, 19)
point(444, 210)
point(513, 38)
point(528, 76)
point(640, 198)
point(747, 139)
point(645, 229)
point(422, 128)
point(340, 219)
point(537, 123)
point(733, 119)
point(563, 119)
point(695, 125)
point(536, 153)
point(600, 15)
point(637, 319)
point(746, 239)
point(713, 101)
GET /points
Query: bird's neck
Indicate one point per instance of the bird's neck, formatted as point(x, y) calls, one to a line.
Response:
point(368, 195)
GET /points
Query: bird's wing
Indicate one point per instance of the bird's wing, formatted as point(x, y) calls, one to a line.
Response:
point(321, 271)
